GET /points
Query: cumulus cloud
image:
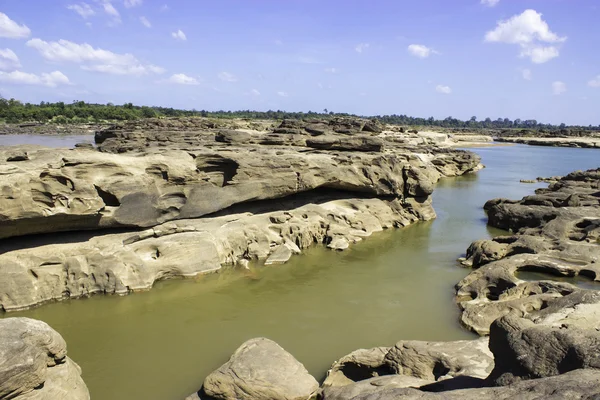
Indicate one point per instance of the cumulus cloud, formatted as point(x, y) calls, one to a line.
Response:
point(595, 82)
point(182, 79)
point(526, 73)
point(559, 87)
point(9, 60)
point(83, 9)
point(540, 55)
point(283, 94)
point(227, 77)
point(179, 35)
point(92, 59)
point(490, 3)
point(443, 89)
point(11, 29)
point(145, 22)
point(132, 3)
point(361, 47)
point(421, 51)
point(53, 79)
point(529, 31)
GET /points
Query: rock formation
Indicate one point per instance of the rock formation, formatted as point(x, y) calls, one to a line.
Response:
point(260, 369)
point(556, 232)
point(189, 197)
point(34, 363)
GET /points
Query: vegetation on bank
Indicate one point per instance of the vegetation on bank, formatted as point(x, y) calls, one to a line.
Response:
point(14, 111)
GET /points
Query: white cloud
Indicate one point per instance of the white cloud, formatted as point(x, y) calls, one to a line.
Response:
point(83, 9)
point(559, 87)
point(331, 70)
point(594, 82)
point(540, 55)
point(361, 47)
point(283, 94)
point(53, 79)
point(443, 89)
point(421, 51)
point(179, 35)
point(145, 22)
point(182, 79)
point(109, 9)
point(255, 92)
point(8, 60)
point(527, 30)
point(132, 3)
point(227, 77)
point(490, 3)
point(92, 59)
point(526, 73)
point(11, 29)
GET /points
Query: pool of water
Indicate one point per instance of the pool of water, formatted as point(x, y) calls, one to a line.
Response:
point(46, 140)
point(582, 282)
point(321, 305)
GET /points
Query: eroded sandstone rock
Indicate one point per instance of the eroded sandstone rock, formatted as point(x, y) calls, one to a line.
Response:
point(34, 363)
point(555, 233)
point(260, 369)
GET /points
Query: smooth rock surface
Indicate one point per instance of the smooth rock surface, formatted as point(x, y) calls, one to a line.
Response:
point(260, 369)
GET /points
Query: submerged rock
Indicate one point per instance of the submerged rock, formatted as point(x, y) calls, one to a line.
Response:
point(260, 369)
point(34, 363)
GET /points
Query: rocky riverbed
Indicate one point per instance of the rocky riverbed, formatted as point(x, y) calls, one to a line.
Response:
point(161, 201)
point(543, 335)
point(191, 201)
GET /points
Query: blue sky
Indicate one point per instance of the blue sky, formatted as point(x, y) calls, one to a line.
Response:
point(528, 59)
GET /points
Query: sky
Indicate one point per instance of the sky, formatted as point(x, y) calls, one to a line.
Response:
point(527, 59)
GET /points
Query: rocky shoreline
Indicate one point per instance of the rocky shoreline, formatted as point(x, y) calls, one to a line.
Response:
point(580, 142)
point(154, 197)
point(190, 202)
point(543, 335)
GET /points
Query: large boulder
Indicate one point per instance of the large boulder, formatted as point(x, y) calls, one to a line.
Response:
point(524, 350)
point(261, 369)
point(34, 363)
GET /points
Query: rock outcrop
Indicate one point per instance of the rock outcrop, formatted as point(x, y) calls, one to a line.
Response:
point(435, 365)
point(260, 369)
point(556, 235)
point(188, 196)
point(580, 384)
point(34, 363)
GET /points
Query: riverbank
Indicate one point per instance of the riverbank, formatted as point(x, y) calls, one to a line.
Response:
point(291, 303)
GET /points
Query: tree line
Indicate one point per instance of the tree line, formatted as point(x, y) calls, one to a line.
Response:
point(14, 111)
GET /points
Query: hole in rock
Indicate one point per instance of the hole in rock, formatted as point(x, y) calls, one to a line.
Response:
point(360, 372)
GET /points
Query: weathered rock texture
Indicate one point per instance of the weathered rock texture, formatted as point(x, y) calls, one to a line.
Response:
point(34, 363)
point(189, 197)
point(556, 232)
point(436, 365)
point(580, 384)
point(260, 369)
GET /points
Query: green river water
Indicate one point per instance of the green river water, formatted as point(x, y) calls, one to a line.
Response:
point(399, 284)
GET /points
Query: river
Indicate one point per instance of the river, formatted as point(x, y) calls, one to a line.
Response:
point(320, 306)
